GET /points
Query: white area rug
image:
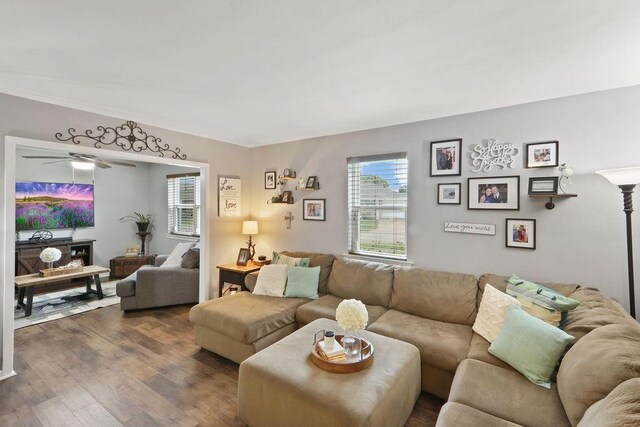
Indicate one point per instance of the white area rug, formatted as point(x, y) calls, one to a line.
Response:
point(56, 305)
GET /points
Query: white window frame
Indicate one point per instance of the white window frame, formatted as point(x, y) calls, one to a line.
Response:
point(355, 207)
point(174, 204)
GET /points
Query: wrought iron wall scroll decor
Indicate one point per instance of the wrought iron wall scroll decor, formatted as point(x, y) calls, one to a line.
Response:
point(129, 137)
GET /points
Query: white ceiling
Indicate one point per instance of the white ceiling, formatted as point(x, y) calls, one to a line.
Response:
point(265, 71)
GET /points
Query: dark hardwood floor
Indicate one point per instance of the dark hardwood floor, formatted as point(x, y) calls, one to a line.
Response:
point(105, 368)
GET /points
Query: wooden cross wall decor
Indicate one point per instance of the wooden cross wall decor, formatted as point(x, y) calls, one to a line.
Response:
point(288, 218)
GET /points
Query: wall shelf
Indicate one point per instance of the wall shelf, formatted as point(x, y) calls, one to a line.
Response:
point(550, 205)
point(315, 187)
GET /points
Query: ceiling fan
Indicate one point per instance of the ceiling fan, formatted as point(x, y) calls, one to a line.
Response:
point(82, 158)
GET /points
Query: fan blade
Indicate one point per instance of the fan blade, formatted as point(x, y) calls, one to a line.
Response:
point(118, 163)
point(57, 161)
point(101, 165)
point(45, 157)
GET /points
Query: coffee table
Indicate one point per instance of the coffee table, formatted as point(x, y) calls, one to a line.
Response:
point(280, 385)
point(27, 282)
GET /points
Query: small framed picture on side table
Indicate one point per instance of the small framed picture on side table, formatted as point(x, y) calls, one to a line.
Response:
point(243, 256)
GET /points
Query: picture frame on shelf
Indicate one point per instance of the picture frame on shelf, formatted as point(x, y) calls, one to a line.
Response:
point(494, 193)
point(286, 196)
point(445, 157)
point(314, 209)
point(520, 233)
point(449, 193)
point(311, 182)
point(543, 185)
point(243, 257)
point(541, 154)
point(270, 182)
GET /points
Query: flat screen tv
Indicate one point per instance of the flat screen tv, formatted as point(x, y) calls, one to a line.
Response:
point(50, 205)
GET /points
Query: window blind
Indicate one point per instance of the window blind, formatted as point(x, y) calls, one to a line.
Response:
point(183, 197)
point(377, 205)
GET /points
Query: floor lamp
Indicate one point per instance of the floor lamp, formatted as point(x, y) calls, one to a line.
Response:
point(626, 179)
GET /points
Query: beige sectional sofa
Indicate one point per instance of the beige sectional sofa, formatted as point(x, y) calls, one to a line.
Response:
point(435, 312)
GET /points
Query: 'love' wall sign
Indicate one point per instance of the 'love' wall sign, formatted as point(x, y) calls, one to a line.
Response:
point(471, 228)
point(228, 196)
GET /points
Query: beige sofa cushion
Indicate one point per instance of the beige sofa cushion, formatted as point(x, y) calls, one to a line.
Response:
point(324, 261)
point(621, 408)
point(506, 394)
point(479, 350)
point(443, 345)
point(325, 308)
point(369, 282)
point(436, 295)
point(454, 414)
point(595, 310)
point(596, 365)
point(246, 317)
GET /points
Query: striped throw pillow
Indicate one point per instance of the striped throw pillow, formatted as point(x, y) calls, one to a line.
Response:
point(290, 261)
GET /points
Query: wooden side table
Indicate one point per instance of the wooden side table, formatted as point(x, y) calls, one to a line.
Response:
point(234, 274)
point(123, 266)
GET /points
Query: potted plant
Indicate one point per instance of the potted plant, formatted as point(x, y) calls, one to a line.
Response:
point(141, 220)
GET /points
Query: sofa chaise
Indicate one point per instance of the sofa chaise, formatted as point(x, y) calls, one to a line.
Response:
point(152, 286)
point(435, 312)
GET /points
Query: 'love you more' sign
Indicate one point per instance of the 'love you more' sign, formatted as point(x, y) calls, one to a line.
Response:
point(228, 196)
point(494, 152)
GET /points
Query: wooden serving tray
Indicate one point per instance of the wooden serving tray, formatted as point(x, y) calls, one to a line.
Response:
point(347, 366)
point(50, 272)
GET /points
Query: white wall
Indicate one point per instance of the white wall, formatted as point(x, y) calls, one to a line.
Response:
point(31, 119)
point(581, 241)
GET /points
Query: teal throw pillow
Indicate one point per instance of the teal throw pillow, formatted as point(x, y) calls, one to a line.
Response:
point(530, 345)
point(540, 301)
point(302, 282)
point(290, 261)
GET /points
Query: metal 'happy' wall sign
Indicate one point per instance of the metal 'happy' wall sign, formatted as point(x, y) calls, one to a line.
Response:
point(494, 153)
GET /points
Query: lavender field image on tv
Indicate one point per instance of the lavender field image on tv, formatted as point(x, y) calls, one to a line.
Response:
point(42, 205)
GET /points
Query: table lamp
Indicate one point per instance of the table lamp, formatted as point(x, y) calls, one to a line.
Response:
point(250, 228)
point(626, 179)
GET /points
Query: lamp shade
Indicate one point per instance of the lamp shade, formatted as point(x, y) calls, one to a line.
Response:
point(250, 227)
point(622, 176)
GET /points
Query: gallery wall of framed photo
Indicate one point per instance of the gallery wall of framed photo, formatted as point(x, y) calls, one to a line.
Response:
point(486, 189)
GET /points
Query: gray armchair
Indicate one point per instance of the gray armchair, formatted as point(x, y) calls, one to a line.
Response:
point(151, 286)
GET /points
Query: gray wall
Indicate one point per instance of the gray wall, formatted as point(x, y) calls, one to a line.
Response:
point(31, 119)
point(161, 241)
point(118, 183)
point(581, 241)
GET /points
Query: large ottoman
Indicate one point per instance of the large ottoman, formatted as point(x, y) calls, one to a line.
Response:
point(280, 385)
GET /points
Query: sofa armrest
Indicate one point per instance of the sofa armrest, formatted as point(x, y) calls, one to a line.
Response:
point(250, 280)
point(156, 287)
point(160, 259)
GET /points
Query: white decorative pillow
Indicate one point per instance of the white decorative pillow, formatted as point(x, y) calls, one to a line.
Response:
point(492, 312)
point(272, 280)
point(175, 257)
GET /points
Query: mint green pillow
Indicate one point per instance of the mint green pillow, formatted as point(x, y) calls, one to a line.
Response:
point(530, 345)
point(278, 258)
point(544, 295)
point(302, 282)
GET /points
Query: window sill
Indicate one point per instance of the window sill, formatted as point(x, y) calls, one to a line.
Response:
point(180, 237)
point(382, 259)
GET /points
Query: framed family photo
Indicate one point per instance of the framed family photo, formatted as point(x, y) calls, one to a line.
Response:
point(449, 194)
point(445, 157)
point(541, 154)
point(270, 180)
point(314, 210)
point(497, 192)
point(543, 185)
point(521, 233)
point(243, 256)
point(311, 182)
